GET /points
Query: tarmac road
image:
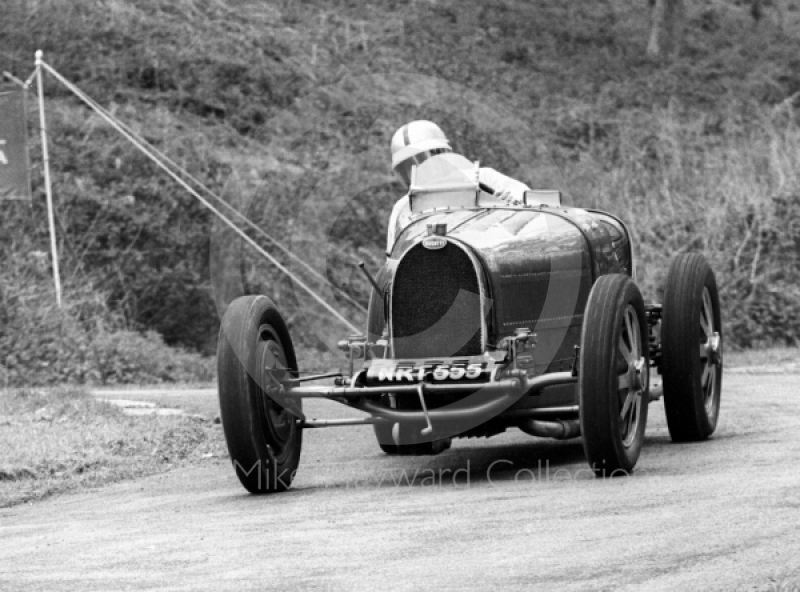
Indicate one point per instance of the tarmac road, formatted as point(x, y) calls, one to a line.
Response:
point(512, 513)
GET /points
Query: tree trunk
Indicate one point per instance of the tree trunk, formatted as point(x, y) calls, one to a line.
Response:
point(666, 31)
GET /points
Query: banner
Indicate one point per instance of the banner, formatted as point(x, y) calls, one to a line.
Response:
point(15, 180)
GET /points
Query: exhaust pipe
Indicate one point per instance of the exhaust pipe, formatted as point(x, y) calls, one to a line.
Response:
point(562, 429)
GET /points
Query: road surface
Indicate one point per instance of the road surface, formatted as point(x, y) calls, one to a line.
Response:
point(512, 512)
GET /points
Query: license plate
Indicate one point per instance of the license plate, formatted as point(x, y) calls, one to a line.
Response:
point(453, 370)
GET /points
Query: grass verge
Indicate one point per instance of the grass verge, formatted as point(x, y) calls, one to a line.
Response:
point(770, 359)
point(52, 441)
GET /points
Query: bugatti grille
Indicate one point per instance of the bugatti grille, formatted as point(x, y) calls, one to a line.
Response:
point(436, 304)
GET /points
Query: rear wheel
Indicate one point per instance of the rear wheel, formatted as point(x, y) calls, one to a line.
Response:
point(255, 352)
point(613, 376)
point(691, 344)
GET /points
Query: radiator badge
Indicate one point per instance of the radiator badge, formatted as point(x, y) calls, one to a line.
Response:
point(434, 242)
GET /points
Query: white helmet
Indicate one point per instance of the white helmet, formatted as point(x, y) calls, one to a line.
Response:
point(415, 138)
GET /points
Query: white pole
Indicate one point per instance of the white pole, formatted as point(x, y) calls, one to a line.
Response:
point(48, 189)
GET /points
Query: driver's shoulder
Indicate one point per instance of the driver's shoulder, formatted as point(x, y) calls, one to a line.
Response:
point(453, 158)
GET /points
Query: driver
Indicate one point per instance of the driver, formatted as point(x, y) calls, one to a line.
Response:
point(416, 142)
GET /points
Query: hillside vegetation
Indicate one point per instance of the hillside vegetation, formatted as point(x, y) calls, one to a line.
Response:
point(285, 109)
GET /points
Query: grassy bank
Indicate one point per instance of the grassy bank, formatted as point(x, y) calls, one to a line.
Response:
point(285, 109)
point(64, 439)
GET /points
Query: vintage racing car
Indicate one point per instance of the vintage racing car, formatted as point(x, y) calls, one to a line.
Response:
point(487, 316)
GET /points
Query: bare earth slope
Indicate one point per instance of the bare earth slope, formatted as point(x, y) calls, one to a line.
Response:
point(718, 515)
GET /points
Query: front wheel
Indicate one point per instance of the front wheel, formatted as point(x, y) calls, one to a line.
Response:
point(254, 352)
point(613, 378)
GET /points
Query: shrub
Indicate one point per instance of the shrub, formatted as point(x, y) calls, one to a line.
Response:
point(700, 154)
point(83, 342)
point(733, 196)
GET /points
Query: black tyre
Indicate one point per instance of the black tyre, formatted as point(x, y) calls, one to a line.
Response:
point(613, 380)
point(383, 433)
point(262, 433)
point(691, 345)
